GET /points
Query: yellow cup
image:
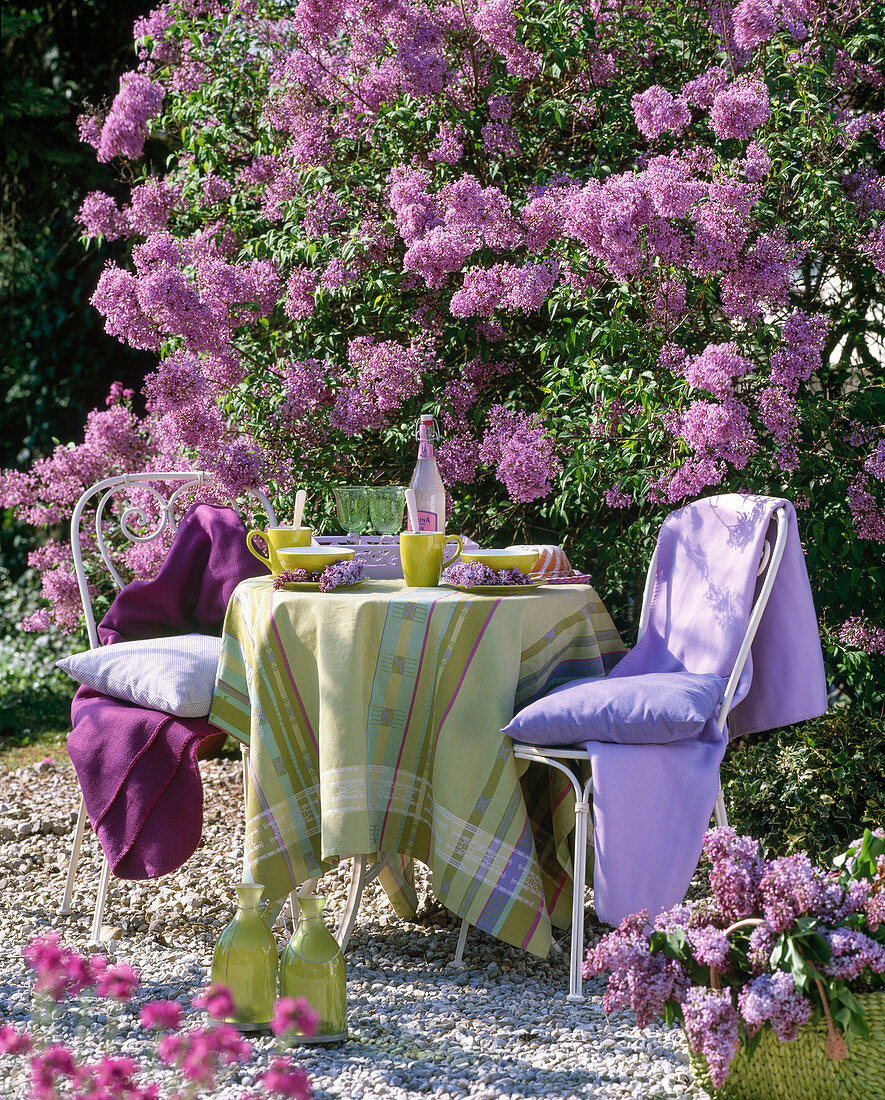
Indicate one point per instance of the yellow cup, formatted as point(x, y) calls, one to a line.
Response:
point(275, 538)
point(421, 554)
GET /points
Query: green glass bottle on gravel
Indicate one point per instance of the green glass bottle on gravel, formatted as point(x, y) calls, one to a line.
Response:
point(245, 960)
point(312, 967)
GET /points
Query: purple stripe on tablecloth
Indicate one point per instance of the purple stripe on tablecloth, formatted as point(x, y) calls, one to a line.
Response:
point(464, 672)
point(573, 668)
point(265, 805)
point(609, 660)
point(307, 724)
point(561, 884)
point(508, 885)
point(408, 719)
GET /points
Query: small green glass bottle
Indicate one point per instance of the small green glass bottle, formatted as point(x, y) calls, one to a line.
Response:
point(245, 960)
point(312, 967)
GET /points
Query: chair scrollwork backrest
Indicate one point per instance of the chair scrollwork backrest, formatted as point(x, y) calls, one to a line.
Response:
point(143, 519)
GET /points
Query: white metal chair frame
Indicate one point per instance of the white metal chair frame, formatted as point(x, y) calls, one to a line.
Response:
point(561, 758)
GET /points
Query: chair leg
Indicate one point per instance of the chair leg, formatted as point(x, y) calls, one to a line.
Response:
point(719, 810)
point(74, 861)
point(354, 896)
point(98, 916)
point(582, 818)
point(458, 960)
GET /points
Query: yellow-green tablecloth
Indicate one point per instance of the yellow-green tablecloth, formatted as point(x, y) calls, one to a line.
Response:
point(374, 716)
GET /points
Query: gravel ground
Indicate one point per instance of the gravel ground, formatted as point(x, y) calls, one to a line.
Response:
point(499, 1029)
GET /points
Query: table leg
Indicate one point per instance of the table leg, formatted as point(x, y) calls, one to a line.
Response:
point(244, 750)
point(458, 960)
point(360, 877)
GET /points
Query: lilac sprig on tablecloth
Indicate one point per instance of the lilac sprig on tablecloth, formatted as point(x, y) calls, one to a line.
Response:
point(468, 574)
point(340, 574)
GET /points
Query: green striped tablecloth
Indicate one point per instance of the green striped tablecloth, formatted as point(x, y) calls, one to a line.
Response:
point(374, 719)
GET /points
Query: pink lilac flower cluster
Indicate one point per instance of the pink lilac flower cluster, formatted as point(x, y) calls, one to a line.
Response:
point(803, 336)
point(340, 574)
point(307, 391)
point(858, 633)
point(150, 206)
point(294, 1015)
point(300, 294)
point(874, 463)
point(716, 368)
point(790, 887)
point(58, 970)
point(615, 497)
point(756, 21)
point(495, 21)
point(286, 1079)
point(383, 375)
point(867, 514)
point(701, 91)
point(468, 574)
point(638, 979)
point(504, 286)
point(657, 112)
point(736, 872)
point(99, 216)
point(125, 129)
point(451, 143)
point(773, 998)
point(851, 953)
point(523, 455)
point(711, 1025)
point(740, 108)
point(756, 163)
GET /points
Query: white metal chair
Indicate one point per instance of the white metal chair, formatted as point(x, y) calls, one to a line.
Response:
point(136, 526)
point(574, 761)
point(381, 556)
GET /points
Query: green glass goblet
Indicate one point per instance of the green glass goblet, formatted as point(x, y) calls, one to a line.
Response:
point(386, 505)
point(352, 503)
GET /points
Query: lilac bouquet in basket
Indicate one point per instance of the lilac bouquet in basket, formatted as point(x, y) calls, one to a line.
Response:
point(779, 943)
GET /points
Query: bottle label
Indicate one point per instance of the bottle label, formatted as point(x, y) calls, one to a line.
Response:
point(427, 521)
point(425, 449)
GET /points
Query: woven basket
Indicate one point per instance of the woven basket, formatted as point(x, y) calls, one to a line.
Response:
point(801, 1070)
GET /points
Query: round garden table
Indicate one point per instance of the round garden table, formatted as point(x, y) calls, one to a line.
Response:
point(373, 717)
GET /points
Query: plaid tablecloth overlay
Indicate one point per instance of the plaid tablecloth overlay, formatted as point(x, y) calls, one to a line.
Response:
point(374, 719)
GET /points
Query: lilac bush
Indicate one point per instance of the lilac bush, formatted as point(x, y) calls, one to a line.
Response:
point(773, 937)
point(628, 254)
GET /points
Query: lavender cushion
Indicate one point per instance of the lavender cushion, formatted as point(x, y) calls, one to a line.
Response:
point(649, 708)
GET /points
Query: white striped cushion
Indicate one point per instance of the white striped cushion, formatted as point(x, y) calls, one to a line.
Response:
point(175, 675)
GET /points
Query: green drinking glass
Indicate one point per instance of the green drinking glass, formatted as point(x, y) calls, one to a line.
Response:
point(386, 505)
point(245, 960)
point(352, 504)
point(312, 967)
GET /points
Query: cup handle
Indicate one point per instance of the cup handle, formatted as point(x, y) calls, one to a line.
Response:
point(261, 557)
point(457, 554)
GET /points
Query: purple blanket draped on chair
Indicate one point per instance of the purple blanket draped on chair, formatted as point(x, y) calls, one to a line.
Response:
point(137, 768)
point(652, 803)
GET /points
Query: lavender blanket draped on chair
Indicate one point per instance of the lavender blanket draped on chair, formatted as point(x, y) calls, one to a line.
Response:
point(137, 768)
point(652, 803)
